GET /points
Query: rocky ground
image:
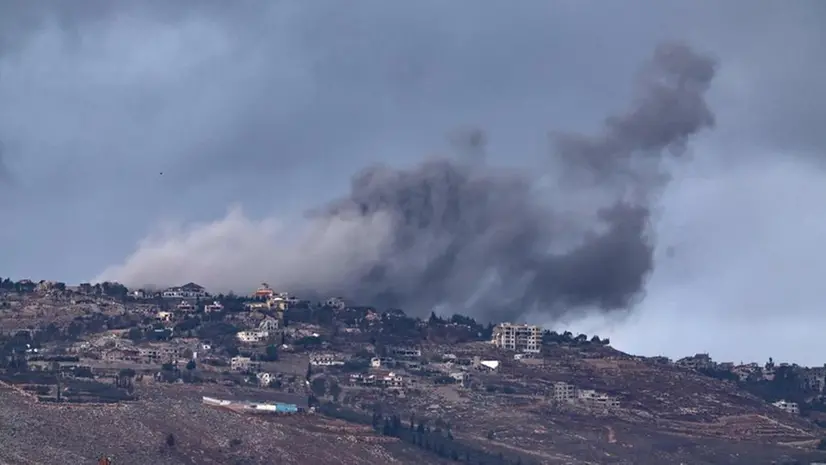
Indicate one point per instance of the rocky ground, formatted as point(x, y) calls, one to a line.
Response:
point(667, 415)
point(135, 433)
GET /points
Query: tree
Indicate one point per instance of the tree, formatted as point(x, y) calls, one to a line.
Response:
point(387, 429)
point(319, 387)
point(190, 365)
point(74, 330)
point(335, 390)
point(170, 440)
point(272, 353)
point(596, 339)
point(135, 334)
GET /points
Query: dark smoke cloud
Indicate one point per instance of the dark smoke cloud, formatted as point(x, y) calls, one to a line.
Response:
point(466, 234)
point(461, 235)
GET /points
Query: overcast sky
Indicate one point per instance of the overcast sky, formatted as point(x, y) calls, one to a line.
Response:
point(272, 106)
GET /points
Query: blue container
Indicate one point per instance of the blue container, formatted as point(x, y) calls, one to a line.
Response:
point(286, 408)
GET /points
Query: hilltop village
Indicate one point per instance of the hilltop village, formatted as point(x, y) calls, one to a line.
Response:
point(439, 383)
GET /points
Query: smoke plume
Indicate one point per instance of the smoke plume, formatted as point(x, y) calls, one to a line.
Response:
point(466, 236)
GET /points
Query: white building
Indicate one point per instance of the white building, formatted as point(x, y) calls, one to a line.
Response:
point(268, 324)
point(264, 378)
point(187, 291)
point(518, 337)
point(214, 307)
point(325, 360)
point(377, 362)
point(256, 305)
point(789, 407)
point(384, 380)
point(244, 364)
point(405, 352)
point(252, 336)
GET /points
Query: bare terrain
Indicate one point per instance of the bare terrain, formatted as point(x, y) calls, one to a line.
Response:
point(135, 433)
point(86, 376)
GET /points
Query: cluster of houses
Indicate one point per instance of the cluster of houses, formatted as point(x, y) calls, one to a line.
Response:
point(190, 295)
point(392, 369)
point(260, 334)
point(399, 367)
point(112, 347)
point(193, 298)
point(812, 378)
point(565, 393)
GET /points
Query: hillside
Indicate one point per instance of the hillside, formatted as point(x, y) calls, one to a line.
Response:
point(667, 414)
point(136, 433)
point(86, 374)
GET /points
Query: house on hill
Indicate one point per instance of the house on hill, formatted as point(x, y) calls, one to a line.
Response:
point(187, 291)
point(185, 306)
point(264, 292)
point(696, 362)
point(214, 307)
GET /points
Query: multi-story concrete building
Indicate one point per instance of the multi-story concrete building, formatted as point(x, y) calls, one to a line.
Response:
point(598, 400)
point(564, 392)
point(244, 364)
point(696, 362)
point(214, 307)
point(157, 354)
point(252, 336)
point(518, 337)
point(789, 407)
point(570, 394)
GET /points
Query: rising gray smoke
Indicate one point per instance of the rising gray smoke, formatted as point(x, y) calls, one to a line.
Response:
point(478, 239)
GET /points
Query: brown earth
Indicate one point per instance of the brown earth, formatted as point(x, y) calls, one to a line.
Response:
point(135, 433)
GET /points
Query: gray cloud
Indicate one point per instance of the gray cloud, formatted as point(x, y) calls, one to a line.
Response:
point(273, 106)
